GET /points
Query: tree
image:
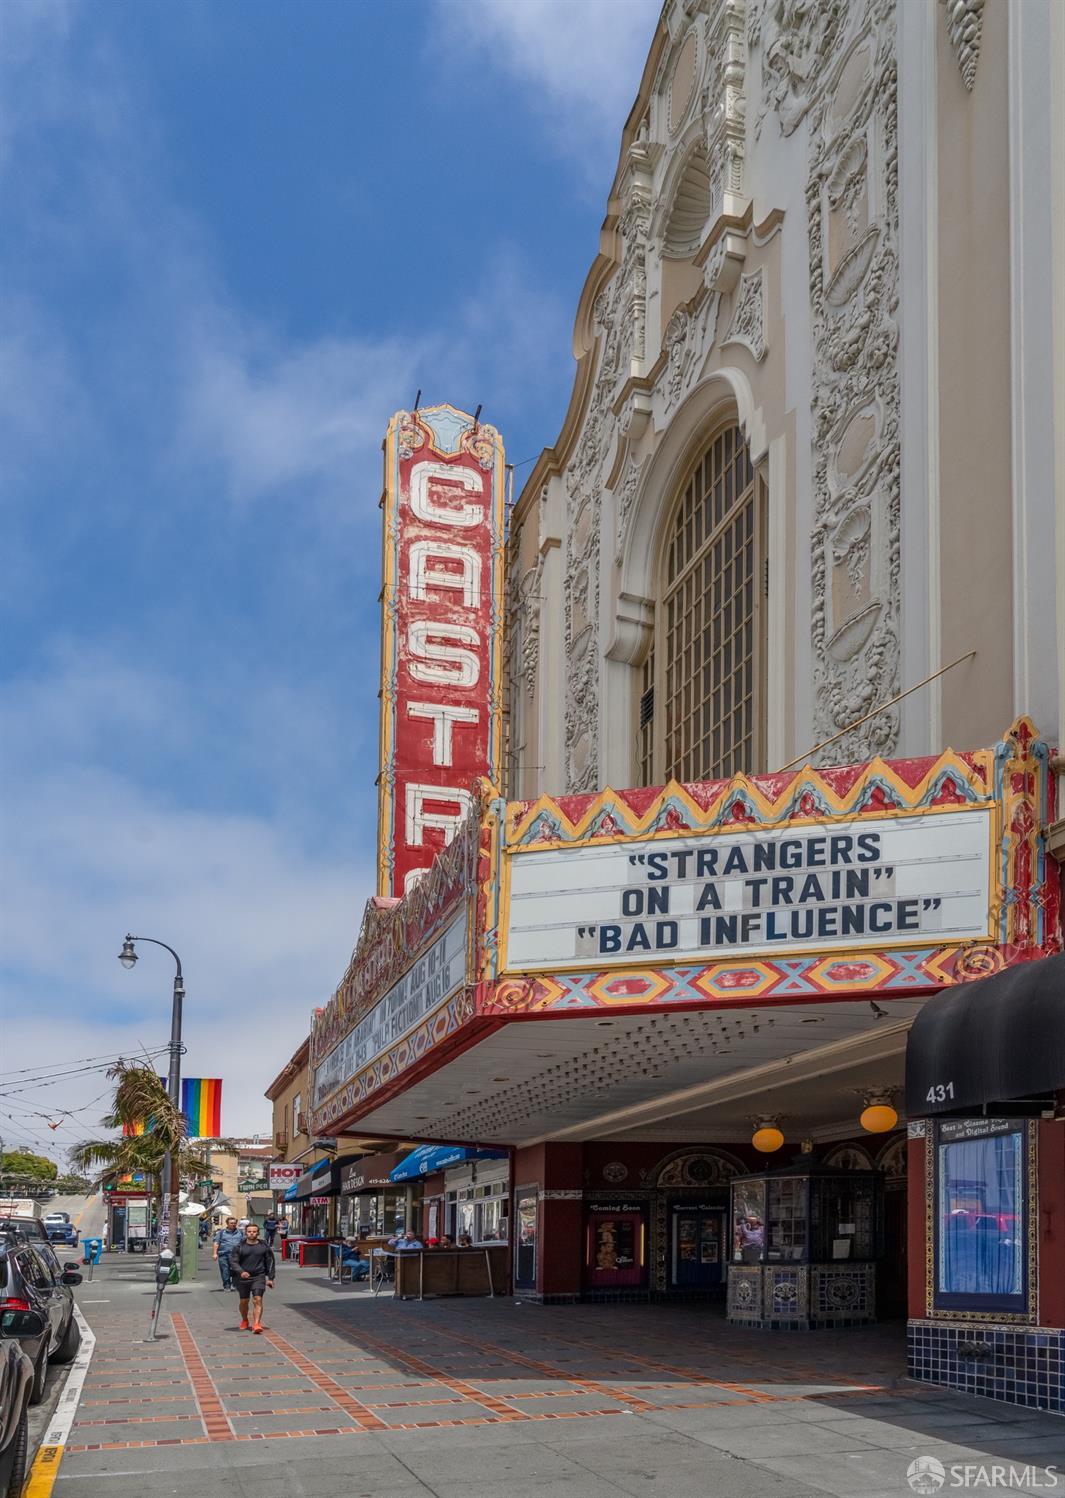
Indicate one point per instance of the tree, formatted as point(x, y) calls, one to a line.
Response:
point(141, 1097)
point(27, 1165)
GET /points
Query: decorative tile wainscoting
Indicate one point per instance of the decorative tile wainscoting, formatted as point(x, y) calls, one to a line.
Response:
point(801, 1297)
point(1022, 1365)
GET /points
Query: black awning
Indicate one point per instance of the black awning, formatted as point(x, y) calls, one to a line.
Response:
point(314, 1182)
point(981, 1046)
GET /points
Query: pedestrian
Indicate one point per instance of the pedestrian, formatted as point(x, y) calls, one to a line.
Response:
point(225, 1241)
point(270, 1227)
point(252, 1265)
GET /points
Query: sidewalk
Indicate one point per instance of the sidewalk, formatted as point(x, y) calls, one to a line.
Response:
point(345, 1395)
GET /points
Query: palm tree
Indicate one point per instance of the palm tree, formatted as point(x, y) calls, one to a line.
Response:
point(141, 1101)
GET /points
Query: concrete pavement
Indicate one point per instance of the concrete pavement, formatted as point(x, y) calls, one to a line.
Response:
point(347, 1395)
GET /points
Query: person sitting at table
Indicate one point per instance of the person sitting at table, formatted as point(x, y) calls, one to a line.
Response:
point(445, 1242)
point(408, 1241)
point(351, 1257)
point(465, 1241)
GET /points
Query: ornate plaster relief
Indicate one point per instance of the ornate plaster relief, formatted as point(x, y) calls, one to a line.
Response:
point(965, 24)
point(832, 65)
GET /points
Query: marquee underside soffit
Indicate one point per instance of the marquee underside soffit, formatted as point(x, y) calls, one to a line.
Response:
point(692, 1075)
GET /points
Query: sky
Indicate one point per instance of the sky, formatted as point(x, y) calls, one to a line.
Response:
point(237, 235)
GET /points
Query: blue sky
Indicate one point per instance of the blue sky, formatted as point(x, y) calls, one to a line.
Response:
point(236, 235)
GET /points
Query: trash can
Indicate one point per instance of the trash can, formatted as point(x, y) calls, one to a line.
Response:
point(91, 1250)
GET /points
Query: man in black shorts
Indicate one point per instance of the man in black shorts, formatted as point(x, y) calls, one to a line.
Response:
point(252, 1264)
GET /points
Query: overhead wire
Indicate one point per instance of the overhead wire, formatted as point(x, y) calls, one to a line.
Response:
point(39, 1083)
point(77, 1061)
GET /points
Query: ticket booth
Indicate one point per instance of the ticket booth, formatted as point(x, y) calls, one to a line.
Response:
point(805, 1240)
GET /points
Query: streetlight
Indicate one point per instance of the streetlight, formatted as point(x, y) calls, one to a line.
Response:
point(128, 957)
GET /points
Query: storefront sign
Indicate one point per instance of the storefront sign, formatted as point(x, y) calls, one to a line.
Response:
point(432, 979)
point(442, 602)
point(281, 1177)
point(953, 1130)
point(874, 882)
point(372, 1172)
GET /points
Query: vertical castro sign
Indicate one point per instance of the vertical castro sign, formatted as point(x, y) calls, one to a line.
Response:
point(441, 639)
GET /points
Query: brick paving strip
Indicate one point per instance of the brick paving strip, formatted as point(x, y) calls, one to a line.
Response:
point(468, 1391)
point(212, 1411)
point(360, 1413)
point(464, 1392)
point(691, 1377)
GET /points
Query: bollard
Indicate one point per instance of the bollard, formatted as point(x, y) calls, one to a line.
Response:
point(163, 1269)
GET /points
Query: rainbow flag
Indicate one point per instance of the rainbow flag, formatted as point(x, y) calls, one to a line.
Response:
point(201, 1103)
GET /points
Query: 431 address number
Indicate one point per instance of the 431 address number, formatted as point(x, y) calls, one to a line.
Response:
point(939, 1092)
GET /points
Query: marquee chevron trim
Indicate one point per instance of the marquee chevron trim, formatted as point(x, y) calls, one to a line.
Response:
point(802, 796)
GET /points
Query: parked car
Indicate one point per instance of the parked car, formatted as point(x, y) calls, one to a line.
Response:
point(16, 1386)
point(60, 1229)
point(27, 1227)
point(32, 1279)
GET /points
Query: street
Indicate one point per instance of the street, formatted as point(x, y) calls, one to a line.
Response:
point(344, 1394)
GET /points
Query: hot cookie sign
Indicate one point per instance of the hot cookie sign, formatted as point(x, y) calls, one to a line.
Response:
point(441, 634)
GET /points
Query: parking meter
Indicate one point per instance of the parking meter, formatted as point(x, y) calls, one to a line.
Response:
point(164, 1266)
point(91, 1252)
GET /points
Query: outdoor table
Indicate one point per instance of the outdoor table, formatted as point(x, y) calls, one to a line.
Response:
point(379, 1270)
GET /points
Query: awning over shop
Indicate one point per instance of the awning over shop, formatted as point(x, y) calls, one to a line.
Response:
point(996, 1046)
point(324, 1178)
point(369, 1172)
point(315, 1182)
point(290, 1194)
point(429, 1158)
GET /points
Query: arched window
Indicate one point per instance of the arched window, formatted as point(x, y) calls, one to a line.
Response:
point(701, 706)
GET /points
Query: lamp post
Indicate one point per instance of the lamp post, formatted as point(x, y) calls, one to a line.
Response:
point(127, 957)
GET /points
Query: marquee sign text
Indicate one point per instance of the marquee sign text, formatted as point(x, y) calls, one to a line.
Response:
point(868, 883)
point(433, 978)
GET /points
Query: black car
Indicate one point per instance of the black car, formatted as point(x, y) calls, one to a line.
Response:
point(16, 1387)
point(31, 1279)
point(29, 1227)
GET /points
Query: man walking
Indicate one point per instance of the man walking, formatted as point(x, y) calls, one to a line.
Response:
point(225, 1241)
point(252, 1266)
point(270, 1226)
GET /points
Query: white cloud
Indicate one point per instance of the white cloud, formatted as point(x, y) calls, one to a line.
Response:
point(580, 62)
point(274, 414)
point(264, 923)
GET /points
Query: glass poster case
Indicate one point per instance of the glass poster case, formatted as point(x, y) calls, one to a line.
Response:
point(981, 1216)
point(615, 1246)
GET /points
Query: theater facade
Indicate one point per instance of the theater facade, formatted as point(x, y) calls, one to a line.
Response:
point(684, 1011)
point(787, 572)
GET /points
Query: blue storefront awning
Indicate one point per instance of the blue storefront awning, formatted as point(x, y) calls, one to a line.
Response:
point(290, 1194)
point(427, 1159)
